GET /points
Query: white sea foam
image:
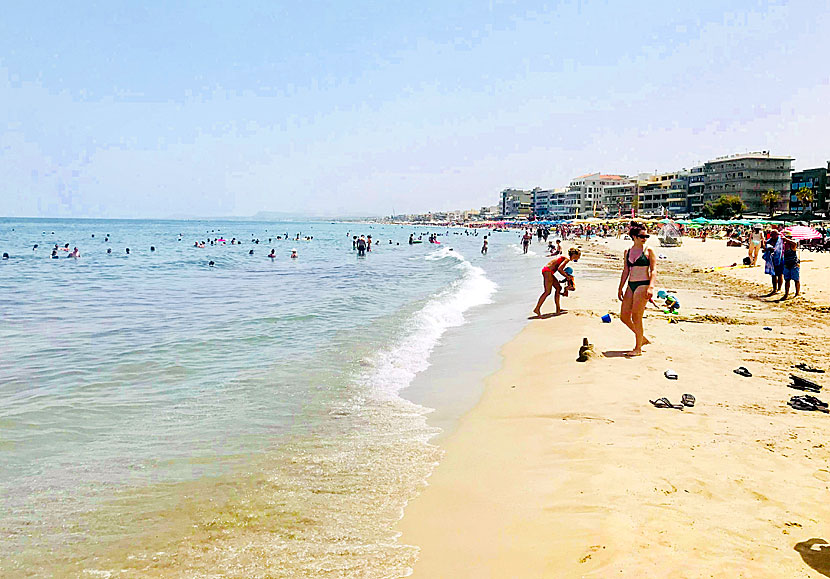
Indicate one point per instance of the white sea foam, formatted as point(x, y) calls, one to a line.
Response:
point(396, 367)
point(517, 248)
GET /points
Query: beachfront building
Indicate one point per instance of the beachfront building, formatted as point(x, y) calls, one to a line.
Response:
point(490, 212)
point(516, 203)
point(542, 202)
point(814, 180)
point(694, 196)
point(584, 197)
point(747, 175)
point(563, 204)
point(619, 199)
point(664, 193)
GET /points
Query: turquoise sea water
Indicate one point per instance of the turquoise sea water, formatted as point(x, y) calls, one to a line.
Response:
point(162, 417)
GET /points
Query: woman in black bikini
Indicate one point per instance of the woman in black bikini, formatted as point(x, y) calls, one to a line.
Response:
point(640, 271)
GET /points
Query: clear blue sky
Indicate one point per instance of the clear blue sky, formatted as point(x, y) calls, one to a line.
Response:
point(112, 109)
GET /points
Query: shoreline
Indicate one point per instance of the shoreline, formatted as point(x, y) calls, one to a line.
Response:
point(733, 487)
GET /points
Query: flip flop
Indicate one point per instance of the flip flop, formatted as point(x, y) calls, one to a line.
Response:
point(799, 404)
point(687, 400)
point(813, 400)
point(806, 368)
point(800, 383)
point(741, 371)
point(664, 403)
point(670, 374)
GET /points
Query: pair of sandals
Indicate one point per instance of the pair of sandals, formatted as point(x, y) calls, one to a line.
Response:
point(685, 400)
point(809, 403)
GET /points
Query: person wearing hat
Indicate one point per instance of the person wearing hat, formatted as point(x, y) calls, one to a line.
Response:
point(294, 253)
point(756, 238)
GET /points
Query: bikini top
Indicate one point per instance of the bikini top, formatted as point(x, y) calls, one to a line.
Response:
point(643, 260)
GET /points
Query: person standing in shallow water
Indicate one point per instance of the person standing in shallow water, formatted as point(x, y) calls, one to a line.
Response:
point(640, 271)
point(526, 239)
point(484, 246)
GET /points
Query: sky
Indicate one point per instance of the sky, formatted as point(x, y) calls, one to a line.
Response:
point(159, 110)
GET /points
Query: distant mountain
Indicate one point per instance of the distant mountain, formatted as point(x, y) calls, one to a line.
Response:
point(276, 216)
point(286, 216)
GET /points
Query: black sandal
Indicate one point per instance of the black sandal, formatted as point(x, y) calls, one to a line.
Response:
point(800, 383)
point(814, 401)
point(799, 403)
point(664, 403)
point(742, 371)
point(687, 400)
point(806, 368)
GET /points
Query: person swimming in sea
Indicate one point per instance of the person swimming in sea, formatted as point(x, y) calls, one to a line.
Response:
point(294, 254)
point(273, 254)
point(75, 253)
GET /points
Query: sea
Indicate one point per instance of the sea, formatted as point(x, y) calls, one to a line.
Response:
point(258, 417)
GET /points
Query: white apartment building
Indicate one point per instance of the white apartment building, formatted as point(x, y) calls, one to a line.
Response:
point(585, 194)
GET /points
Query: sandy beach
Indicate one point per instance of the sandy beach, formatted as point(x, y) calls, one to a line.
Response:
point(564, 469)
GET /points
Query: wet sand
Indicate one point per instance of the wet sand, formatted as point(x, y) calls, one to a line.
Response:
point(564, 469)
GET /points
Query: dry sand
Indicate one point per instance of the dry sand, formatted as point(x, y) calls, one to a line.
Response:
point(564, 469)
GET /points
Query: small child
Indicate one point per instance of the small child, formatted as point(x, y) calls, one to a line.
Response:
point(670, 303)
point(568, 281)
point(792, 267)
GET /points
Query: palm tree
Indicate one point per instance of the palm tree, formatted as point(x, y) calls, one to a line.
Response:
point(805, 196)
point(770, 198)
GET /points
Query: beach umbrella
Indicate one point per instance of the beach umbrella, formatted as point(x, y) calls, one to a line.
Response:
point(801, 232)
point(700, 220)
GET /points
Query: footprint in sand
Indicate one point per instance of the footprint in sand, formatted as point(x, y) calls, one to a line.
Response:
point(591, 550)
point(822, 474)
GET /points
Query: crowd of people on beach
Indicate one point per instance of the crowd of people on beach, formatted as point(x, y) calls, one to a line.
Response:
point(775, 245)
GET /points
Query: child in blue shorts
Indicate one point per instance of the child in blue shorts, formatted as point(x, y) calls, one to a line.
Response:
point(792, 267)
